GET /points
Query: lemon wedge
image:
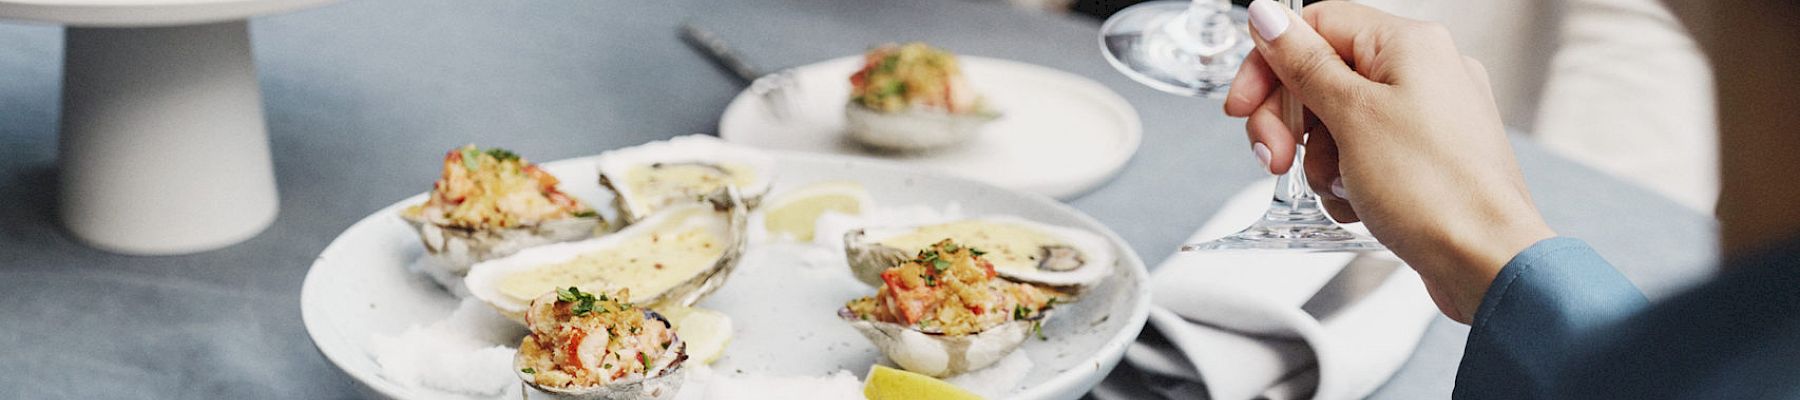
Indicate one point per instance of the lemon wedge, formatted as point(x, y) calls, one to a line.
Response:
point(886, 383)
point(706, 332)
point(797, 212)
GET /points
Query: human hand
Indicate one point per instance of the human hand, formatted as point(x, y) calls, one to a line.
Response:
point(1405, 137)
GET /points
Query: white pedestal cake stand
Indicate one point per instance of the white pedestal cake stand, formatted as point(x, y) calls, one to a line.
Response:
point(163, 149)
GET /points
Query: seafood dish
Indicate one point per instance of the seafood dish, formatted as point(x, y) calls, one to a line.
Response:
point(1020, 249)
point(913, 97)
point(490, 203)
point(654, 175)
point(674, 257)
point(945, 312)
point(595, 345)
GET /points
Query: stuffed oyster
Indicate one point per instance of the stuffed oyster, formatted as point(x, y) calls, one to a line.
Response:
point(654, 175)
point(1020, 250)
point(490, 203)
point(598, 346)
point(913, 97)
point(675, 257)
point(944, 312)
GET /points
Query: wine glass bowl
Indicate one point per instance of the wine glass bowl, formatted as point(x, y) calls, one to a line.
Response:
point(1189, 48)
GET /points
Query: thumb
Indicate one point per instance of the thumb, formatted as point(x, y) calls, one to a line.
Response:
point(1304, 61)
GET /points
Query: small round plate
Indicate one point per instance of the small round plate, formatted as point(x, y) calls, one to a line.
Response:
point(783, 311)
point(1060, 134)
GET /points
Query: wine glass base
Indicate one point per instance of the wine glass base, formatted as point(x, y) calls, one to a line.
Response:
point(1303, 236)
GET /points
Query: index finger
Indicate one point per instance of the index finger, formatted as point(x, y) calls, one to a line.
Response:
point(1351, 29)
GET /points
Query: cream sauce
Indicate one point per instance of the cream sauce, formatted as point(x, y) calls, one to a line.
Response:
point(1010, 247)
point(648, 265)
point(656, 185)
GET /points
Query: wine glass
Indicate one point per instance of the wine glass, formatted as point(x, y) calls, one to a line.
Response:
point(1189, 49)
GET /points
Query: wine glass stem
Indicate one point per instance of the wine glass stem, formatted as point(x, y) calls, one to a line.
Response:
point(1291, 191)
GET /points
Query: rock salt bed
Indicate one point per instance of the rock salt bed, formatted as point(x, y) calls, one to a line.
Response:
point(456, 354)
point(999, 380)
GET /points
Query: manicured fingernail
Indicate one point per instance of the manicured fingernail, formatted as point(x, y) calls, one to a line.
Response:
point(1262, 154)
point(1269, 18)
point(1337, 189)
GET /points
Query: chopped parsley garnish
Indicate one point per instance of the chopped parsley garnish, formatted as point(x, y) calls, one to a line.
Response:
point(889, 63)
point(1038, 329)
point(645, 358)
point(584, 302)
point(1020, 312)
point(528, 371)
point(502, 154)
point(469, 157)
point(586, 214)
point(977, 252)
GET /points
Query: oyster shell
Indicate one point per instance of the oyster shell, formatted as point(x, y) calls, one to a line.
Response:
point(945, 312)
point(914, 129)
point(653, 175)
point(455, 249)
point(663, 383)
point(940, 355)
point(675, 257)
point(1020, 249)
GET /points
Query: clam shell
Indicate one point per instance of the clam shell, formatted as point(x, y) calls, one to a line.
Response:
point(1081, 259)
point(691, 149)
point(483, 278)
point(913, 129)
point(660, 387)
point(455, 249)
point(941, 355)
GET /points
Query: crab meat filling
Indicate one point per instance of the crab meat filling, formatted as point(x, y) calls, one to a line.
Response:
point(493, 189)
point(581, 339)
point(950, 289)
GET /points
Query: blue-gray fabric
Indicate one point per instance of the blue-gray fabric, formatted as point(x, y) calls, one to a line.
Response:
point(1559, 322)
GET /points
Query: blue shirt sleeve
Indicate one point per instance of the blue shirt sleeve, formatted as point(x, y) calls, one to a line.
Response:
point(1533, 316)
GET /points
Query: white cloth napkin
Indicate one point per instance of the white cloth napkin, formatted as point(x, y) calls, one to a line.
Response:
point(1229, 324)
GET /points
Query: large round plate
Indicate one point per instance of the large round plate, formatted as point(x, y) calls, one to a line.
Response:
point(360, 286)
point(1060, 135)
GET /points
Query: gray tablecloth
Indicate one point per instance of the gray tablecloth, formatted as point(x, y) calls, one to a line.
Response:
point(364, 96)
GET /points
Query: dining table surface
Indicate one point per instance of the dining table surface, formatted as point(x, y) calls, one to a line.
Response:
point(364, 96)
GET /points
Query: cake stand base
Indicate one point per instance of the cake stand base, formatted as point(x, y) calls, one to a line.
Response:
point(163, 147)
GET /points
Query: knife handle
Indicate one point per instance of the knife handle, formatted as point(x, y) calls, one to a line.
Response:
point(719, 52)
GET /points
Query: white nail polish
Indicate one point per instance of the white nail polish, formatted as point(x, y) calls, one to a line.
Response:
point(1262, 154)
point(1337, 189)
point(1269, 18)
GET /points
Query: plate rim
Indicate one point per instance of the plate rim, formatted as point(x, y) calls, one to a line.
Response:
point(1069, 381)
point(1115, 162)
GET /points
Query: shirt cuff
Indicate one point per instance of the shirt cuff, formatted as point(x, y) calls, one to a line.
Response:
point(1534, 314)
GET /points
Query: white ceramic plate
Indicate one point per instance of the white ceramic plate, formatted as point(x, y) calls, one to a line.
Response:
point(784, 320)
point(1060, 135)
